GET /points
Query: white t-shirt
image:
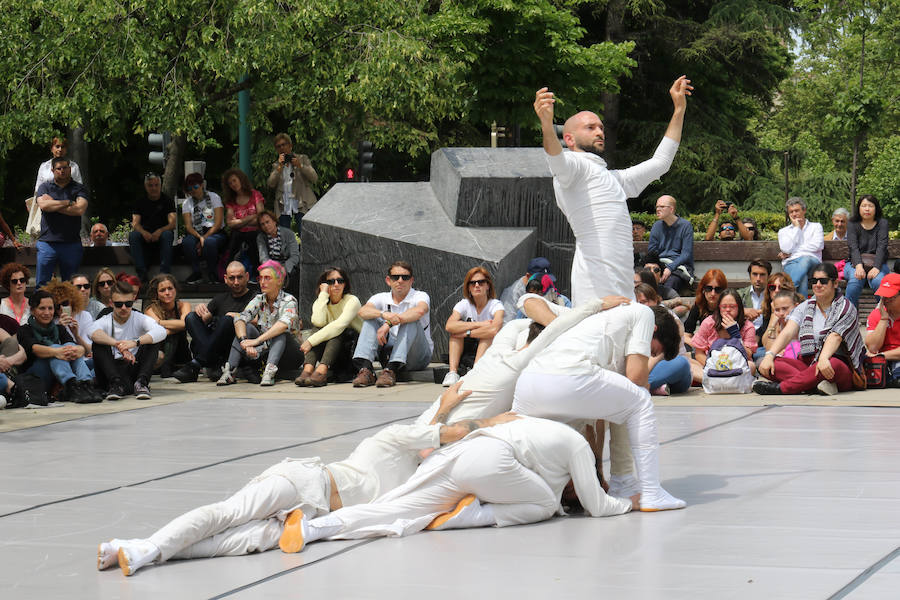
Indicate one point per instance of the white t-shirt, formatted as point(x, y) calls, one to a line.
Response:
point(468, 312)
point(209, 215)
point(137, 325)
point(291, 205)
point(384, 302)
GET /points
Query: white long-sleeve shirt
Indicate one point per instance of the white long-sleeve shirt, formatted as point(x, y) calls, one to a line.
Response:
point(493, 379)
point(137, 325)
point(45, 173)
point(593, 199)
point(808, 240)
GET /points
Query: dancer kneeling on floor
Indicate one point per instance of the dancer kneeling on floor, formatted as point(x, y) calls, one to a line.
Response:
point(508, 474)
point(831, 348)
point(126, 345)
point(275, 334)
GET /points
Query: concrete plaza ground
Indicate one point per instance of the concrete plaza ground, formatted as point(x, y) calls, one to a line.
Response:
point(790, 500)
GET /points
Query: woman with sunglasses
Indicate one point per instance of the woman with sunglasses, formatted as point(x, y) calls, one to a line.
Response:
point(242, 207)
point(336, 326)
point(273, 336)
point(474, 322)
point(867, 240)
point(777, 282)
point(726, 322)
point(831, 348)
point(709, 290)
point(14, 277)
point(164, 307)
point(104, 282)
point(204, 217)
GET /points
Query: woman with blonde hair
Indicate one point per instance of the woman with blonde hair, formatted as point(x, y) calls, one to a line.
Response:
point(104, 282)
point(474, 322)
point(164, 307)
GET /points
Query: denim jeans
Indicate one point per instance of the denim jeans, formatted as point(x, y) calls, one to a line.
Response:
point(798, 269)
point(139, 247)
point(212, 248)
point(62, 370)
point(408, 348)
point(855, 286)
point(67, 254)
point(297, 218)
point(675, 372)
point(210, 343)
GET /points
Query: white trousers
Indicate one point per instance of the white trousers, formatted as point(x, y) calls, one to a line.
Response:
point(600, 395)
point(242, 523)
point(482, 466)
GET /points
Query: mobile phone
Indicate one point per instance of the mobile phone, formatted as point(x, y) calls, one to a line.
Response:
point(66, 310)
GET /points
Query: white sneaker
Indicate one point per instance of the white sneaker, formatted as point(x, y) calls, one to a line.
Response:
point(623, 486)
point(108, 552)
point(2, 402)
point(660, 499)
point(268, 377)
point(827, 388)
point(469, 512)
point(134, 554)
point(450, 378)
point(226, 378)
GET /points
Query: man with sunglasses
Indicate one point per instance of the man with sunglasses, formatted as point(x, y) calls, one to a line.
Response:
point(212, 326)
point(62, 201)
point(126, 344)
point(153, 227)
point(395, 329)
point(728, 229)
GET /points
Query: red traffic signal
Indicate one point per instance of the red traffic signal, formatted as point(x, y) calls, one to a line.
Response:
point(349, 174)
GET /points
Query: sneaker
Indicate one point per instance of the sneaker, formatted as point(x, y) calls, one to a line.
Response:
point(187, 374)
point(450, 378)
point(387, 378)
point(662, 390)
point(268, 377)
point(318, 379)
point(766, 388)
point(2, 401)
point(73, 392)
point(116, 391)
point(294, 535)
point(226, 378)
point(212, 373)
point(827, 388)
point(141, 391)
point(194, 278)
point(364, 378)
point(89, 394)
point(135, 555)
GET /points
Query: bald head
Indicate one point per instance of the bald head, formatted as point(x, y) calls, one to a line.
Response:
point(665, 209)
point(583, 132)
point(670, 200)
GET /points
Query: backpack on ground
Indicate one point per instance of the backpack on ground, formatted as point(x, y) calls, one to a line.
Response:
point(29, 389)
point(727, 370)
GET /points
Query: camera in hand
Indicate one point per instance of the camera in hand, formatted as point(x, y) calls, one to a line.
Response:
point(288, 158)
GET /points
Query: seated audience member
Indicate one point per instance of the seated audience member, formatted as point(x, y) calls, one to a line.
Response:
point(126, 345)
point(727, 229)
point(651, 263)
point(266, 328)
point(104, 282)
point(164, 307)
point(395, 330)
point(336, 326)
point(777, 282)
point(211, 326)
point(204, 218)
point(242, 207)
point(726, 322)
point(867, 240)
point(645, 276)
point(8, 235)
point(839, 219)
point(783, 303)
point(277, 242)
point(510, 296)
point(638, 231)
point(666, 376)
point(754, 294)
point(99, 235)
point(752, 227)
point(672, 239)
point(51, 352)
point(153, 227)
point(71, 313)
point(801, 244)
point(11, 355)
point(709, 290)
point(14, 277)
point(474, 322)
point(831, 348)
point(883, 327)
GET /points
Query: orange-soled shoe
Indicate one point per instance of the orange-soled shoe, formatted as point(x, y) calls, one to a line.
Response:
point(293, 538)
point(442, 518)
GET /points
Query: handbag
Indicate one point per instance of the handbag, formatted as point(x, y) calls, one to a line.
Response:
point(33, 224)
point(868, 261)
point(876, 371)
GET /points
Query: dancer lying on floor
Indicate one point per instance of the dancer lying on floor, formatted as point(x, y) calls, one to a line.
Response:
point(508, 474)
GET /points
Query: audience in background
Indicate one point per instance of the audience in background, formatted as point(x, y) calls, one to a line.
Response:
point(153, 227)
point(204, 219)
point(883, 327)
point(104, 281)
point(801, 244)
point(242, 207)
point(14, 277)
point(867, 240)
point(163, 306)
point(474, 322)
point(839, 219)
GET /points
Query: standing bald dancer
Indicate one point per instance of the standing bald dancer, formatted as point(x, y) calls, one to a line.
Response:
point(593, 198)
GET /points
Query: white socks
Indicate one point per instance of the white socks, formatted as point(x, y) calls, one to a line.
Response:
point(108, 552)
point(323, 527)
point(623, 486)
point(134, 554)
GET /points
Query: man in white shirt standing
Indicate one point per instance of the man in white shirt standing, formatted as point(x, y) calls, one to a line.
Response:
point(395, 328)
point(115, 338)
point(801, 244)
point(593, 198)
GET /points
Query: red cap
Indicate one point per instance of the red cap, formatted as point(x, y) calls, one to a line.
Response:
point(890, 285)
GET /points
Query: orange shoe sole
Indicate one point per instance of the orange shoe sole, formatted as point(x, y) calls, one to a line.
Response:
point(291, 540)
point(123, 563)
point(444, 517)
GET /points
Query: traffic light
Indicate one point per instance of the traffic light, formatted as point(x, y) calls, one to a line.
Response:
point(160, 141)
point(350, 174)
point(366, 161)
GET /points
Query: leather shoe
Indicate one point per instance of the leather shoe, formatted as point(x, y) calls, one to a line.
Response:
point(364, 378)
point(318, 379)
point(387, 378)
point(767, 388)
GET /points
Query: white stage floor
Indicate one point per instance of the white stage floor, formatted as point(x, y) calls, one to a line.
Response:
point(783, 502)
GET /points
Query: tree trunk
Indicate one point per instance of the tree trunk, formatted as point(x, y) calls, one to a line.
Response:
point(78, 151)
point(615, 14)
point(173, 176)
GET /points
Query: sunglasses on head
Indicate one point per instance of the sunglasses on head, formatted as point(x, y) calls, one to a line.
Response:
point(774, 287)
point(713, 288)
point(820, 280)
point(335, 281)
point(478, 282)
point(121, 303)
point(404, 277)
point(106, 282)
point(83, 286)
point(15, 280)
